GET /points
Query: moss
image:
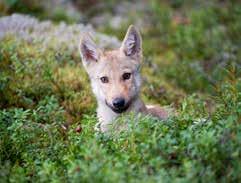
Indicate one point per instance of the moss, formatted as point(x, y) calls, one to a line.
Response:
point(28, 75)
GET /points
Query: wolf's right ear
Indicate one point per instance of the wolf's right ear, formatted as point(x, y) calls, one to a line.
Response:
point(89, 52)
point(131, 44)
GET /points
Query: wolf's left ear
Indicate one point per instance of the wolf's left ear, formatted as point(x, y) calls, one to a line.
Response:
point(131, 44)
point(88, 50)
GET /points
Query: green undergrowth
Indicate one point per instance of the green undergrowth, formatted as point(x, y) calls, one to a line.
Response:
point(47, 131)
point(42, 9)
point(191, 147)
point(29, 73)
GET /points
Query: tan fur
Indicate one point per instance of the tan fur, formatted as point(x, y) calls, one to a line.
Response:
point(113, 64)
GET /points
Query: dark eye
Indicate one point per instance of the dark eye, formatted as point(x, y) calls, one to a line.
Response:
point(126, 76)
point(104, 79)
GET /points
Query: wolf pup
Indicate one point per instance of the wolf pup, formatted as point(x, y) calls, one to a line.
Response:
point(115, 78)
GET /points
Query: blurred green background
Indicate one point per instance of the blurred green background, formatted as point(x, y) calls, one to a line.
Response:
point(192, 62)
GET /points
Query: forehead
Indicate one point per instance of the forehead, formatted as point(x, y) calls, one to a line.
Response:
point(114, 62)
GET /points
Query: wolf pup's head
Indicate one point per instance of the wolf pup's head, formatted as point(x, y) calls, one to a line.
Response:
point(114, 74)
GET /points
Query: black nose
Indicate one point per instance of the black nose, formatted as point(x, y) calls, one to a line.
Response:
point(118, 102)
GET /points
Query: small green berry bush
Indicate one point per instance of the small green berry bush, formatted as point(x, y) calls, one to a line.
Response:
point(190, 147)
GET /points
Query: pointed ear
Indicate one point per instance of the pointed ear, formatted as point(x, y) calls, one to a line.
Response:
point(131, 45)
point(89, 52)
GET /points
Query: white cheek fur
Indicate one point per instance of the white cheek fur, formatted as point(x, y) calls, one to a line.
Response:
point(138, 81)
point(97, 90)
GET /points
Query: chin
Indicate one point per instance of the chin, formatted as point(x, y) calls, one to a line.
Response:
point(119, 110)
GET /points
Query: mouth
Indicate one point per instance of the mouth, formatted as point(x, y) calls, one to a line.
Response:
point(118, 110)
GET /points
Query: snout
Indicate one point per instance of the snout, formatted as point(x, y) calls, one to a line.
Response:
point(118, 105)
